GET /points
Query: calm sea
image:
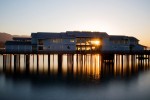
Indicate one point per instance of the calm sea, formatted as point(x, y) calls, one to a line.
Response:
point(82, 77)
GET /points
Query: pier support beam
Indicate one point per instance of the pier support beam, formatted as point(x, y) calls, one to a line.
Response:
point(148, 60)
point(59, 64)
point(122, 61)
point(37, 63)
point(4, 63)
point(27, 63)
point(10, 63)
point(33, 60)
point(70, 61)
point(19, 61)
point(102, 63)
point(48, 63)
point(43, 62)
point(77, 60)
point(15, 63)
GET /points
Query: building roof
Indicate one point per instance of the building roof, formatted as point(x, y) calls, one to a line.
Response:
point(143, 46)
point(133, 38)
point(21, 38)
point(69, 34)
point(88, 34)
point(117, 37)
point(17, 43)
point(44, 35)
point(122, 37)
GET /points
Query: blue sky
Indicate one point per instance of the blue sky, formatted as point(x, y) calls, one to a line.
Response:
point(124, 17)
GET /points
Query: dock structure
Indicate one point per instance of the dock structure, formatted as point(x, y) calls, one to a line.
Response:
point(76, 45)
point(111, 57)
point(81, 42)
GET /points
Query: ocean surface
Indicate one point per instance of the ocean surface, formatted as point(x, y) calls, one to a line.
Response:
point(78, 77)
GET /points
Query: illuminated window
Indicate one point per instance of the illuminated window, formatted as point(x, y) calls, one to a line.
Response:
point(72, 40)
point(56, 40)
point(95, 42)
point(93, 48)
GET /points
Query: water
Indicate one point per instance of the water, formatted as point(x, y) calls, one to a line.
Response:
point(84, 78)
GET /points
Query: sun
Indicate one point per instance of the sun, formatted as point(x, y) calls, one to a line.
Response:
point(95, 42)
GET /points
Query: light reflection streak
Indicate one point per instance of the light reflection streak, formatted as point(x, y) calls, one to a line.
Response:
point(78, 65)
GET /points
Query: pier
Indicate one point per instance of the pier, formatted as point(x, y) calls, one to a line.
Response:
point(12, 62)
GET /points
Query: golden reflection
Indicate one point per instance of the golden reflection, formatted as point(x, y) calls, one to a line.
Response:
point(64, 66)
point(78, 65)
point(87, 65)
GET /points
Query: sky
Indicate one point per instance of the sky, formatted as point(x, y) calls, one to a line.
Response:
point(116, 17)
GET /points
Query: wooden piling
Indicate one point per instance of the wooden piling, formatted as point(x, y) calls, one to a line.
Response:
point(122, 61)
point(48, 63)
point(15, 63)
point(37, 63)
point(27, 63)
point(4, 62)
point(72, 59)
point(59, 64)
point(19, 61)
point(10, 61)
point(77, 62)
point(33, 61)
point(43, 63)
point(148, 61)
point(102, 60)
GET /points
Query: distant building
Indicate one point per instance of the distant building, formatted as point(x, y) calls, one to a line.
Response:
point(72, 41)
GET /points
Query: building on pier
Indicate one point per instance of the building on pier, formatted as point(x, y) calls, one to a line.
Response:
point(42, 41)
point(72, 41)
point(125, 43)
point(19, 44)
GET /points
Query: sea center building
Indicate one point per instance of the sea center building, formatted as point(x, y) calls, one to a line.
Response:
point(73, 41)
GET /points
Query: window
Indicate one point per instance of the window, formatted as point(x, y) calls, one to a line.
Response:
point(68, 47)
point(40, 48)
point(40, 42)
point(49, 47)
point(33, 48)
point(126, 41)
point(72, 40)
point(56, 40)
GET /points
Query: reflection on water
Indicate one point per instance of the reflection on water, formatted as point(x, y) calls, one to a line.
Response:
point(91, 66)
point(74, 76)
